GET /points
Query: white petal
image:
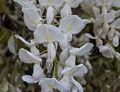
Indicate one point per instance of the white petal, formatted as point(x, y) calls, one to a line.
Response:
point(90, 36)
point(26, 4)
point(56, 3)
point(88, 64)
point(116, 24)
point(77, 84)
point(51, 55)
point(69, 37)
point(99, 42)
point(74, 3)
point(24, 41)
point(85, 49)
point(27, 57)
point(51, 83)
point(116, 13)
point(105, 30)
point(116, 40)
point(116, 3)
point(31, 18)
point(96, 11)
point(66, 82)
point(64, 55)
point(109, 17)
point(34, 50)
point(64, 42)
point(111, 34)
point(28, 79)
point(50, 15)
point(58, 85)
point(66, 10)
point(56, 45)
point(70, 62)
point(31, 45)
point(37, 72)
point(76, 71)
point(103, 2)
point(71, 24)
point(107, 51)
point(47, 33)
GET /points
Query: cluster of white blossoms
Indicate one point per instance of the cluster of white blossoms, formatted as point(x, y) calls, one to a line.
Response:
point(106, 25)
point(56, 36)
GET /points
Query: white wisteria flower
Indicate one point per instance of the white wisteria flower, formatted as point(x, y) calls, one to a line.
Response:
point(76, 71)
point(68, 73)
point(48, 34)
point(28, 57)
point(32, 18)
point(116, 39)
point(85, 49)
point(36, 76)
point(68, 57)
point(31, 45)
point(31, 14)
point(66, 10)
point(69, 54)
point(48, 84)
point(108, 3)
point(73, 3)
point(26, 4)
point(107, 51)
point(70, 25)
point(51, 6)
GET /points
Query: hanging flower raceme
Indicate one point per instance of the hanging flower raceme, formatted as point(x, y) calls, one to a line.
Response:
point(48, 34)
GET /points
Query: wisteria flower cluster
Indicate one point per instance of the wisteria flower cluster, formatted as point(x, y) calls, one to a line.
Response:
point(106, 25)
point(57, 66)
